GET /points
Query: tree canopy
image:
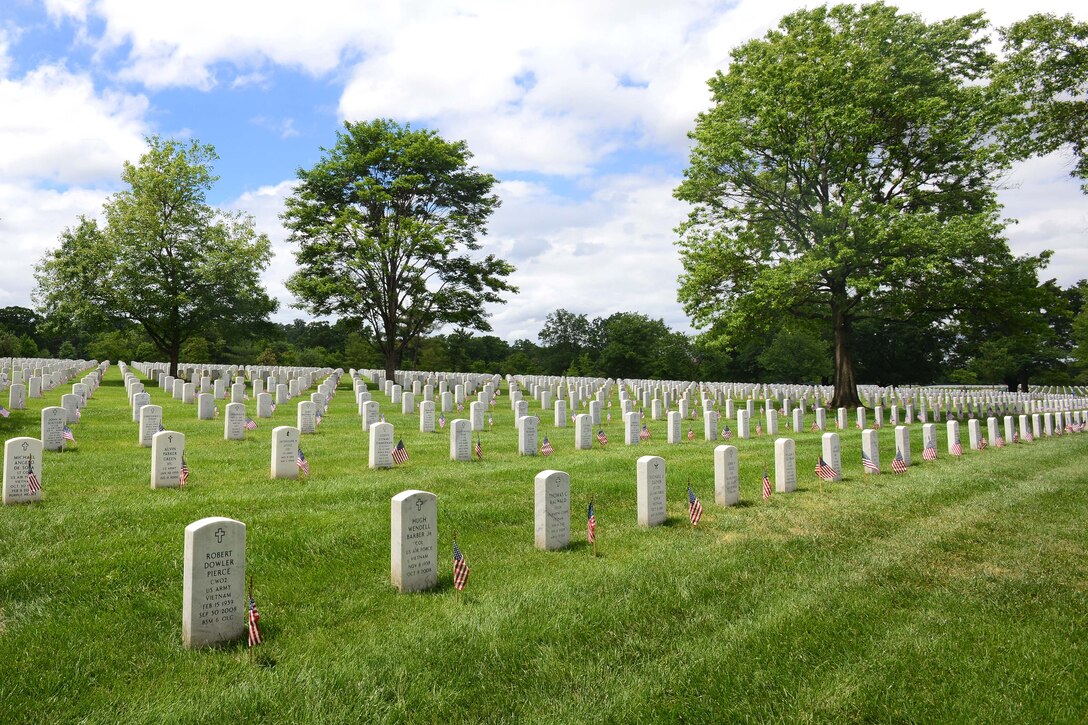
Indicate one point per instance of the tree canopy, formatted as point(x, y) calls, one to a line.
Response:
point(845, 172)
point(385, 224)
point(165, 259)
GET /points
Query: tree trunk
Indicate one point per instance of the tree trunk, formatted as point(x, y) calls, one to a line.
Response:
point(846, 390)
point(390, 361)
point(175, 355)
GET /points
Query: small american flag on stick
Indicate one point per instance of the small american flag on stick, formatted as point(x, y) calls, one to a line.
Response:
point(823, 470)
point(32, 478)
point(253, 618)
point(478, 449)
point(68, 435)
point(301, 462)
point(726, 433)
point(691, 434)
point(899, 464)
point(460, 568)
point(4, 412)
point(695, 509)
point(957, 449)
point(250, 423)
point(591, 523)
point(868, 463)
point(929, 453)
point(601, 437)
point(400, 453)
point(184, 475)
point(644, 434)
point(766, 484)
point(546, 447)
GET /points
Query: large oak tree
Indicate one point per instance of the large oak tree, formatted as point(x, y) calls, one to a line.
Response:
point(164, 259)
point(386, 223)
point(845, 172)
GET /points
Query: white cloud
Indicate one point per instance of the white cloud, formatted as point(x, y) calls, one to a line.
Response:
point(56, 126)
point(31, 220)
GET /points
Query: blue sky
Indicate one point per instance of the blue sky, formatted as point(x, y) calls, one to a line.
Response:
point(580, 109)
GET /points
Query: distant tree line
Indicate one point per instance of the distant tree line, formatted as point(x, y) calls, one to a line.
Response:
point(1051, 348)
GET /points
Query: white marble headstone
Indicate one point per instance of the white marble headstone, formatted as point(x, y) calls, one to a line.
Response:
point(20, 455)
point(413, 561)
point(650, 495)
point(214, 608)
point(552, 509)
point(726, 475)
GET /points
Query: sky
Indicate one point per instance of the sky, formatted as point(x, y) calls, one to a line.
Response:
point(580, 109)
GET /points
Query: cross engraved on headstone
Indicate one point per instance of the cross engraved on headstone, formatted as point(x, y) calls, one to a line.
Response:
point(171, 439)
point(419, 504)
point(25, 446)
point(219, 534)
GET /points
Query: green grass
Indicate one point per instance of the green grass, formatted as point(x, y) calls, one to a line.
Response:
point(955, 592)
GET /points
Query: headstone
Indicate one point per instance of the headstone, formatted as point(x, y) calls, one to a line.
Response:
point(674, 434)
point(1036, 425)
point(974, 433)
point(710, 425)
point(381, 445)
point(177, 391)
point(821, 419)
point(902, 442)
point(139, 400)
point(552, 510)
point(21, 455)
point(476, 415)
point(371, 414)
point(53, 421)
point(413, 561)
point(283, 394)
point(861, 424)
point(521, 409)
point(264, 405)
point(214, 608)
point(527, 435)
point(726, 475)
point(285, 452)
point(167, 449)
point(832, 453)
point(785, 465)
point(426, 415)
point(1010, 429)
point(17, 397)
point(188, 393)
point(150, 422)
point(583, 432)
point(631, 428)
point(870, 446)
point(991, 431)
point(840, 418)
point(1025, 429)
point(408, 403)
point(234, 422)
point(460, 440)
point(929, 436)
point(952, 428)
point(560, 414)
point(34, 388)
point(772, 421)
point(650, 497)
point(798, 420)
point(306, 418)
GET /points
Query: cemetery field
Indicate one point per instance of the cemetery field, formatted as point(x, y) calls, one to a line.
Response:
point(954, 592)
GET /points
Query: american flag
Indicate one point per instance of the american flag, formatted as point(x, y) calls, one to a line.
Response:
point(644, 434)
point(319, 417)
point(4, 412)
point(31, 478)
point(184, 472)
point(929, 453)
point(1028, 438)
point(601, 437)
point(823, 470)
point(68, 435)
point(609, 416)
point(868, 463)
point(254, 618)
point(766, 484)
point(400, 453)
point(273, 406)
point(546, 447)
point(899, 464)
point(691, 434)
point(216, 411)
point(999, 441)
point(460, 568)
point(815, 427)
point(876, 426)
point(981, 443)
point(695, 509)
point(250, 423)
point(478, 449)
point(726, 433)
point(957, 449)
point(161, 428)
point(301, 462)
point(759, 429)
point(591, 524)
point(1015, 437)
point(460, 407)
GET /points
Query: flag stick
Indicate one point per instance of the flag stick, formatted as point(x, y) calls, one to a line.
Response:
point(456, 591)
point(248, 614)
point(594, 532)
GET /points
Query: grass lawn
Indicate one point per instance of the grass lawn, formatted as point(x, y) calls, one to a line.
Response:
point(955, 592)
